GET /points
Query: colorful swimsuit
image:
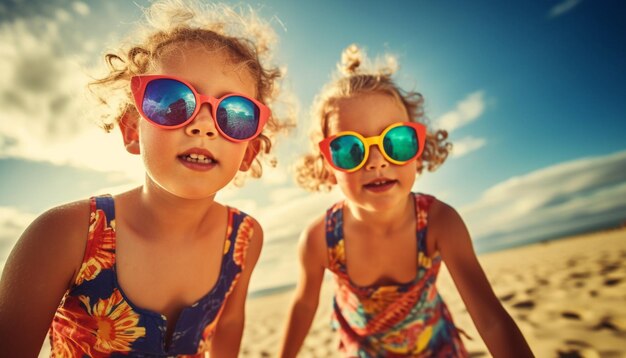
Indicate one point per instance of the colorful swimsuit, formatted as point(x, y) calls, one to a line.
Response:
point(95, 319)
point(392, 320)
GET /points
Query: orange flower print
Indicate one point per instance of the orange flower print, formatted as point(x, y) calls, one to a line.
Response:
point(104, 257)
point(63, 347)
point(244, 233)
point(337, 253)
point(380, 299)
point(424, 260)
point(422, 219)
point(114, 323)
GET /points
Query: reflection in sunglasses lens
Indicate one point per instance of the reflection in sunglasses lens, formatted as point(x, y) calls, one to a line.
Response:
point(238, 117)
point(347, 151)
point(168, 102)
point(400, 143)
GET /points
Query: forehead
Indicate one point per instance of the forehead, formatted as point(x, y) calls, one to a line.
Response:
point(368, 114)
point(208, 69)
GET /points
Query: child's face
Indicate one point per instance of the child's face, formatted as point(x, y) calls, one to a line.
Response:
point(379, 184)
point(167, 152)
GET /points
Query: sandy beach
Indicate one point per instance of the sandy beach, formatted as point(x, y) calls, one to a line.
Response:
point(567, 296)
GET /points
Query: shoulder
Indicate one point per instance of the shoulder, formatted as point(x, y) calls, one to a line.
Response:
point(314, 233)
point(59, 235)
point(62, 223)
point(447, 227)
point(442, 214)
point(312, 241)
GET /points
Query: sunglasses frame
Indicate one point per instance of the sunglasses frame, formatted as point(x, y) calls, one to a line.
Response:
point(419, 128)
point(138, 86)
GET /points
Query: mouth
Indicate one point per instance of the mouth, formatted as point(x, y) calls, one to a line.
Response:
point(380, 184)
point(198, 159)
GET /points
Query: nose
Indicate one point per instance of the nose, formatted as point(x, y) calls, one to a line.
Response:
point(203, 124)
point(376, 159)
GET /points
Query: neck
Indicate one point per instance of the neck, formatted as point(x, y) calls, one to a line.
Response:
point(382, 221)
point(158, 213)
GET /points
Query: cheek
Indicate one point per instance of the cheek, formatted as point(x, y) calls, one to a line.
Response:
point(347, 180)
point(233, 153)
point(409, 172)
point(152, 139)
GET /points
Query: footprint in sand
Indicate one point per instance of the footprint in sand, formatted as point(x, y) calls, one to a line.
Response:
point(606, 323)
point(612, 281)
point(571, 315)
point(528, 304)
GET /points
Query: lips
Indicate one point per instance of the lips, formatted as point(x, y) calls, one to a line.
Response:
point(198, 159)
point(380, 184)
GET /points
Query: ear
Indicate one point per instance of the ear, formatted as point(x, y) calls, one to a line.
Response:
point(130, 133)
point(254, 146)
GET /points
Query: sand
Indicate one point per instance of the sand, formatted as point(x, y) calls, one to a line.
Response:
point(567, 296)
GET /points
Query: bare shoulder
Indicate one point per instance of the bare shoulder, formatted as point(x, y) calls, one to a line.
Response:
point(62, 229)
point(312, 242)
point(38, 272)
point(442, 214)
point(445, 225)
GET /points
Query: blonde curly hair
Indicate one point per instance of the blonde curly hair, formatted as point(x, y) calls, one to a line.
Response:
point(356, 76)
point(238, 33)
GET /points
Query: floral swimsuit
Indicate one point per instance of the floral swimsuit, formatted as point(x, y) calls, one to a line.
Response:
point(96, 319)
point(401, 320)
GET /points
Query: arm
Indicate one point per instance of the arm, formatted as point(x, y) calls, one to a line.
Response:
point(227, 339)
point(500, 333)
point(39, 270)
point(313, 258)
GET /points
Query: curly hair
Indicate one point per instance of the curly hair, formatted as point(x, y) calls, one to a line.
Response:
point(352, 80)
point(244, 38)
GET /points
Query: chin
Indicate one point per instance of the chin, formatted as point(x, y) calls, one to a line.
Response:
point(385, 201)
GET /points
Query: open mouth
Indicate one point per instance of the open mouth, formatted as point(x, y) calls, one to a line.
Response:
point(380, 184)
point(197, 158)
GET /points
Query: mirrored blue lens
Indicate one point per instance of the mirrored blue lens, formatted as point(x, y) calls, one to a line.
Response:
point(238, 117)
point(347, 151)
point(400, 143)
point(168, 102)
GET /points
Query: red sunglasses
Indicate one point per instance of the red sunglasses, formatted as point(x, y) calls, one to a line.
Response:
point(169, 102)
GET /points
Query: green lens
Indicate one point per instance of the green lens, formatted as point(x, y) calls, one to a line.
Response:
point(400, 143)
point(347, 151)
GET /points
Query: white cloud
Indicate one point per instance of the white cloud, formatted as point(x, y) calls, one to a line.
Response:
point(62, 15)
point(286, 194)
point(467, 145)
point(81, 8)
point(466, 111)
point(563, 7)
point(12, 223)
point(282, 224)
point(45, 115)
point(277, 175)
point(552, 201)
point(288, 218)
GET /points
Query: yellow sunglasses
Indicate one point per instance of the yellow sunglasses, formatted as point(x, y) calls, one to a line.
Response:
point(399, 143)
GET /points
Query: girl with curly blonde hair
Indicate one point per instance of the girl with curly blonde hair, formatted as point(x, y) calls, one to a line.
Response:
point(384, 244)
point(163, 269)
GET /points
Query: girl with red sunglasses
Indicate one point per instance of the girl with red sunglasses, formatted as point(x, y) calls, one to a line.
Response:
point(384, 244)
point(161, 270)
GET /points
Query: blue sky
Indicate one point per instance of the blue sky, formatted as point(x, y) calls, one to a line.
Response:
point(532, 94)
